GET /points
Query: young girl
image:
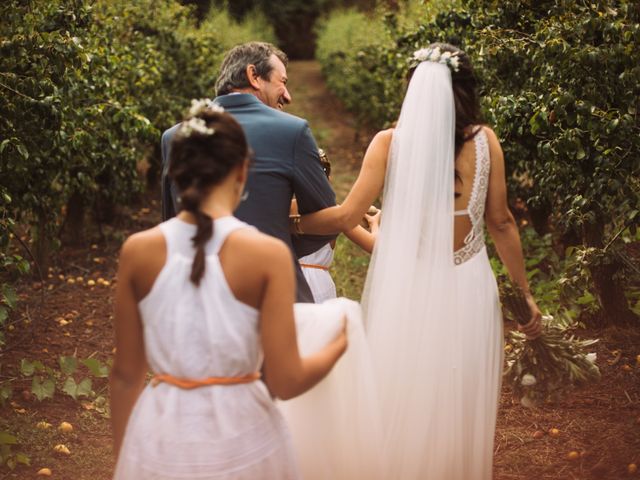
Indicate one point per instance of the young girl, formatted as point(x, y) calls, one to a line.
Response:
point(315, 266)
point(206, 303)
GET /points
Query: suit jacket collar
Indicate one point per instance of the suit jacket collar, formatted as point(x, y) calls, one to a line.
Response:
point(236, 100)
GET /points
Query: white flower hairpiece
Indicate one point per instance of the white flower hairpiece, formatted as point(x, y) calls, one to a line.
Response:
point(436, 55)
point(199, 106)
point(196, 124)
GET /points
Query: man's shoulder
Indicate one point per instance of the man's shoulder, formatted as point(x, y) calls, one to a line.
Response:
point(283, 119)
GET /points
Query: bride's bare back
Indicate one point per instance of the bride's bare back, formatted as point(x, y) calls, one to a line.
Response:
point(465, 166)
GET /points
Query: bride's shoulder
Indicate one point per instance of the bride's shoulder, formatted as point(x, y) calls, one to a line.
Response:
point(488, 131)
point(385, 135)
point(383, 138)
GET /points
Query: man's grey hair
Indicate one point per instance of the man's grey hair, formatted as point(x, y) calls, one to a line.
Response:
point(233, 71)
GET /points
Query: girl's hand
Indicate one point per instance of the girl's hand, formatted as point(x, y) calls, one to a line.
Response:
point(373, 221)
point(341, 341)
point(533, 329)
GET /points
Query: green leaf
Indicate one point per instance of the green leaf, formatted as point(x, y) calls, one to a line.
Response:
point(23, 151)
point(7, 439)
point(70, 387)
point(42, 389)
point(23, 459)
point(9, 296)
point(68, 365)
point(3, 314)
point(4, 143)
point(5, 393)
point(84, 387)
point(27, 368)
point(96, 368)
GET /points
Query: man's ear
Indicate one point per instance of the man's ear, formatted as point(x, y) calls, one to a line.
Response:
point(243, 171)
point(252, 76)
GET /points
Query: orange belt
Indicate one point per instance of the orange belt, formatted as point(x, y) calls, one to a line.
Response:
point(188, 384)
point(319, 267)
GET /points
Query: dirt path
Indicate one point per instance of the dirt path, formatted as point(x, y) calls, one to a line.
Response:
point(601, 424)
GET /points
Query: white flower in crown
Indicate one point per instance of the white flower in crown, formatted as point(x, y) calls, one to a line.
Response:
point(591, 357)
point(422, 55)
point(436, 55)
point(199, 106)
point(198, 125)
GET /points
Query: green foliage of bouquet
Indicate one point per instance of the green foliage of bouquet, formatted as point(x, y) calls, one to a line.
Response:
point(548, 367)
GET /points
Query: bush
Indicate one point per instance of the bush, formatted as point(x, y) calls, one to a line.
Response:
point(87, 87)
point(343, 39)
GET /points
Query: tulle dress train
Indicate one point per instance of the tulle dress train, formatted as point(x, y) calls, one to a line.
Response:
point(336, 425)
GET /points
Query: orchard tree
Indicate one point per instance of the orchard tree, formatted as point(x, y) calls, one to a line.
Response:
point(562, 81)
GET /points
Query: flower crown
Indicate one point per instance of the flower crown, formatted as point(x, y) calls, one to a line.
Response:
point(197, 124)
point(436, 55)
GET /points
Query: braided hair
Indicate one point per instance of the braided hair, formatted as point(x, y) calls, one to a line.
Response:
point(204, 150)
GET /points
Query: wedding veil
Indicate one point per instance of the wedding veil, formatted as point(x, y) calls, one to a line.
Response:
point(409, 296)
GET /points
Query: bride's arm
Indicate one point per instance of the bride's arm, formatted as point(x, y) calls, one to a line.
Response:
point(504, 231)
point(364, 191)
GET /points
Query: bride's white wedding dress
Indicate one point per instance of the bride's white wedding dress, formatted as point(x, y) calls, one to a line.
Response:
point(336, 425)
point(432, 318)
point(433, 315)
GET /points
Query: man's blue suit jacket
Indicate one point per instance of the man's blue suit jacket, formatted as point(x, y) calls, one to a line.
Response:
point(286, 162)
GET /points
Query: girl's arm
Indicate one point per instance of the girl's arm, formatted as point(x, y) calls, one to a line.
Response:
point(287, 374)
point(365, 190)
point(129, 367)
point(504, 231)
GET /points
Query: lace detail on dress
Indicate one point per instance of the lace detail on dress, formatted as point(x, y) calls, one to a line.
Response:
point(474, 241)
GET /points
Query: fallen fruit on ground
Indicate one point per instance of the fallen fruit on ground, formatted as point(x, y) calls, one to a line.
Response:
point(554, 432)
point(42, 425)
point(632, 468)
point(65, 427)
point(45, 472)
point(573, 455)
point(61, 448)
point(538, 434)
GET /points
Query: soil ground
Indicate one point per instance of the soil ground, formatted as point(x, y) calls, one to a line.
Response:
point(601, 423)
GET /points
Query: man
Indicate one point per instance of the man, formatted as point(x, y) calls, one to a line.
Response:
point(252, 86)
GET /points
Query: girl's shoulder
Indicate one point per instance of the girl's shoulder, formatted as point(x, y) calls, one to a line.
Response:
point(256, 249)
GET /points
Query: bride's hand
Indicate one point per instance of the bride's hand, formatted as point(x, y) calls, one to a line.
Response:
point(533, 329)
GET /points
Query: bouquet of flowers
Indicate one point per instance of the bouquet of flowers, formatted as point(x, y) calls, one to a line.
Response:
point(548, 367)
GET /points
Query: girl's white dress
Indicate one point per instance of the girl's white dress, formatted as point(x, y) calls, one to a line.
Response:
point(213, 432)
point(319, 279)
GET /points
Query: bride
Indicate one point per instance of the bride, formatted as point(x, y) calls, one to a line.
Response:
point(431, 305)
